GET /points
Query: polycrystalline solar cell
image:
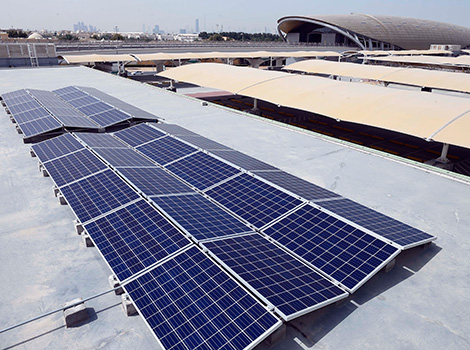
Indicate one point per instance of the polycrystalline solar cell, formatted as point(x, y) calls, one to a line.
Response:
point(134, 238)
point(125, 157)
point(243, 161)
point(73, 166)
point(56, 147)
point(296, 185)
point(82, 101)
point(77, 121)
point(191, 303)
point(97, 195)
point(254, 200)
point(199, 216)
point(347, 254)
point(14, 94)
point(139, 134)
point(154, 181)
point(24, 107)
point(66, 91)
point(97, 140)
point(16, 97)
point(111, 117)
point(203, 142)
point(39, 126)
point(176, 130)
point(381, 224)
point(202, 170)
point(166, 150)
point(31, 115)
point(94, 108)
point(288, 284)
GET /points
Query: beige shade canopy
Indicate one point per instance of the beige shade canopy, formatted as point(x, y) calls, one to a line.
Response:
point(430, 116)
point(403, 52)
point(428, 60)
point(409, 76)
point(97, 58)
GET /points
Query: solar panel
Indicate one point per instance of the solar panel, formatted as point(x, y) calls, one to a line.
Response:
point(134, 238)
point(39, 126)
point(166, 150)
point(381, 224)
point(344, 252)
point(111, 117)
point(288, 284)
point(97, 195)
point(100, 140)
point(199, 216)
point(139, 134)
point(255, 201)
point(94, 108)
point(66, 91)
point(175, 129)
point(296, 185)
point(24, 107)
point(16, 97)
point(77, 122)
point(202, 170)
point(73, 166)
point(30, 115)
point(123, 157)
point(191, 303)
point(154, 181)
point(56, 147)
point(84, 100)
point(203, 142)
point(243, 161)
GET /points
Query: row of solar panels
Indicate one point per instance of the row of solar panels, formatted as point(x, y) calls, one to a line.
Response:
point(39, 112)
point(285, 266)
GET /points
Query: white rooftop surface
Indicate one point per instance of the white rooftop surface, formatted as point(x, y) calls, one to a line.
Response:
point(423, 303)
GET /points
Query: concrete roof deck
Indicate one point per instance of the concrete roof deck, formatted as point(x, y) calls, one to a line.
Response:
point(420, 304)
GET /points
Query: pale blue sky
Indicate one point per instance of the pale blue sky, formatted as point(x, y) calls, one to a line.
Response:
point(238, 15)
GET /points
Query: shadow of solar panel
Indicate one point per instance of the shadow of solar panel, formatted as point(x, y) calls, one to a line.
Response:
point(347, 254)
point(175, 130)
point(123, 157)
point(191, 303)
point(381, 224)
point(288, 284)
point(99, 140)
point(243, 161)
point(111, 117)
point(56, 147)
point(254, 200)
point(166, 150)
point(202, 170)
point(73, 167)
point(39, 126)
point(199, 216)
point(154, 181)
point(97, 195)
point(203, 142)
point(134, 237)
point(296, 185)
point(139, 134)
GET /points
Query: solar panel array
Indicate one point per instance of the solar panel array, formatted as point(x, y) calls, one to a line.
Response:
point(147, 198)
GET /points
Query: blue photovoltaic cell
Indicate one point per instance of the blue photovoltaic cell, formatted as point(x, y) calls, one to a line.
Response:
point(202, 170)
point(66, 91)
point(73, 166)
point(139, 134)
point(243, 161)
point(176, 130)
point(84, 100)
point(39, 126)
point(381, 224)
point(98, 140)
point(123, 157)
point(296, 185)
point(255, 201)
point(24, 107)
point(154, 181)
point(77, 122)
point(56, 147)
point(191, 303)
point(347, 254)
point(94, 108)
point(31, 115)
point(111, 117)
point(203, 142)
point(199, 216)
point(288, 284)
point(166, 150)
point(135, 237)
point(98, 194)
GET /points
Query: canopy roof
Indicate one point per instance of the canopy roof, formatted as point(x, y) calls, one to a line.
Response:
point(408, 76)
point(462, 61)
point(430, 116)
point(98, 58)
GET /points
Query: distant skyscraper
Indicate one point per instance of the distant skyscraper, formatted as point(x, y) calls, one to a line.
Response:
point(197, 26)
point(182, 31)
point(156, 29)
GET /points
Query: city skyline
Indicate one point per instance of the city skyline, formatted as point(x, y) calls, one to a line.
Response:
point(246, 16)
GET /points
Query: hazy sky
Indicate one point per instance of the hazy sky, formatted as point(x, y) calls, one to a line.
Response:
point(233, 15)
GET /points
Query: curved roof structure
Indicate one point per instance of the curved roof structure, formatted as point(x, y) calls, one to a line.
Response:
point(367, 31)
